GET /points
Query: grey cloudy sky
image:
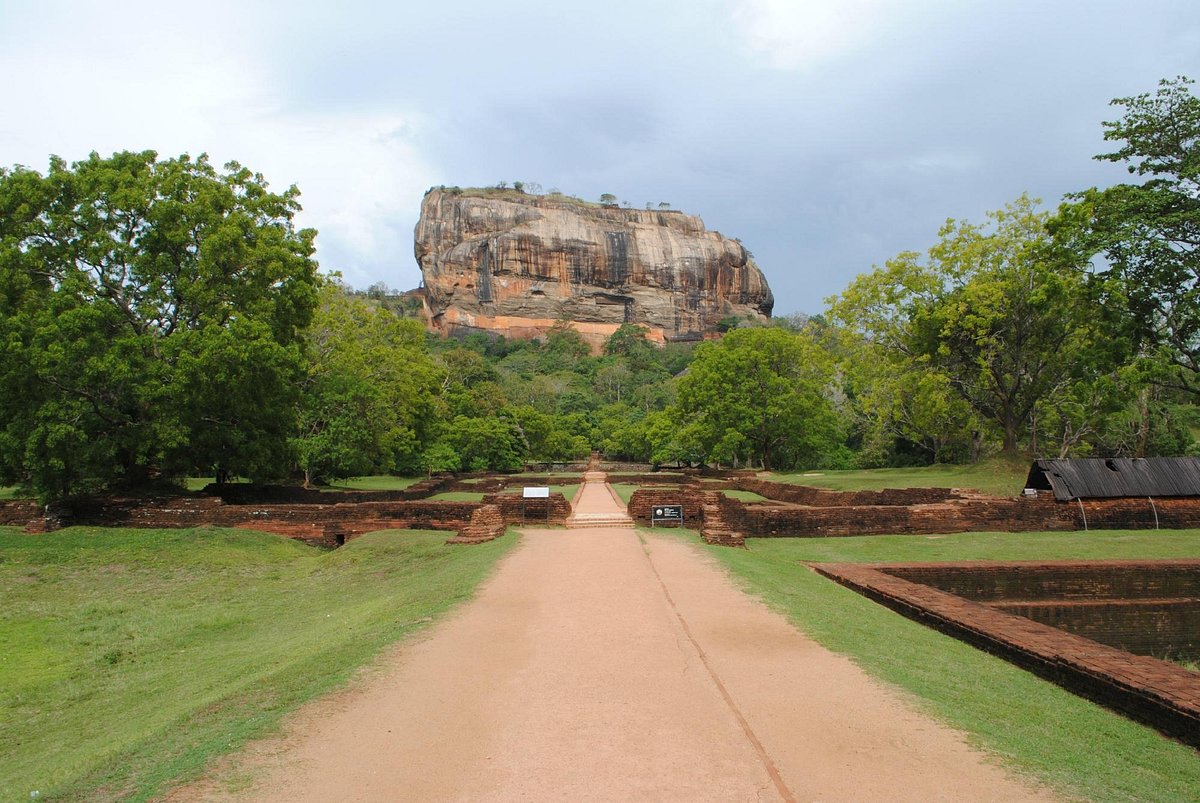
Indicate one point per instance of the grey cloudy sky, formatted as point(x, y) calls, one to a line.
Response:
point(827, 135)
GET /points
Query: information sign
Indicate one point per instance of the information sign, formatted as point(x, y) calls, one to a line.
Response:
point(673, 513)
point(537, 492)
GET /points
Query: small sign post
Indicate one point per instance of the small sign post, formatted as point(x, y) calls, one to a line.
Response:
point(671, 513)
point(535, 492)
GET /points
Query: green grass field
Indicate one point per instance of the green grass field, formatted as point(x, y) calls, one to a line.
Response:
point(996, 475)
point(1079, 748)
point(130, 658)
point(745, 496)
point(473, 496)
point(624, 490)
point(381, 482)
point(378, 483)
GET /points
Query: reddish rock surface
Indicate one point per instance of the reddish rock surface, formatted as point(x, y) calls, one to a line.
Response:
point(513, 265)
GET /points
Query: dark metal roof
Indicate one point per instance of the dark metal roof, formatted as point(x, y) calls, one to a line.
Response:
point(1091, 478)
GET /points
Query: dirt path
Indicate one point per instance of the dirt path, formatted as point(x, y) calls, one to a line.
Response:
point(600, 664)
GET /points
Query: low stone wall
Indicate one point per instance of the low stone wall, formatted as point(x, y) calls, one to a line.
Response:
point(1157, 693)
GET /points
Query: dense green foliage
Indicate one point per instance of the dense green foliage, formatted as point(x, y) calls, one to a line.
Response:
point(159, 318)
point(156, 650)
point(151, 318)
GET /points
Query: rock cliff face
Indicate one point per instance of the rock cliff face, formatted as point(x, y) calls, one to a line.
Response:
point(512, 264)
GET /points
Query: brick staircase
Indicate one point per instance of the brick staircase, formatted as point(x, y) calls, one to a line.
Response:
point(715, 529)
point(599, 520)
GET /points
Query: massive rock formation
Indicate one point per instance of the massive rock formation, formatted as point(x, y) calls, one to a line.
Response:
point(512, 264)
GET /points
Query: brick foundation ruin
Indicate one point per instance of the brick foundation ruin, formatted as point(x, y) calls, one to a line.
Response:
point(486, 524)
point(800, 511)
point(1007, 608)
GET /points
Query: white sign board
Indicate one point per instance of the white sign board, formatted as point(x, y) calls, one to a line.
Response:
point(537, 492)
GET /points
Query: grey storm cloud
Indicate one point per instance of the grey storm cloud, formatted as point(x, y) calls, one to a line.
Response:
point(827, 136)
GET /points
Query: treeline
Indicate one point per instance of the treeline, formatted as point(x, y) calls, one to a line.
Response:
point(163, 318)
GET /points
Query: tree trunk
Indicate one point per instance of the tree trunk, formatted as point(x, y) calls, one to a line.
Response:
point(1010, 437)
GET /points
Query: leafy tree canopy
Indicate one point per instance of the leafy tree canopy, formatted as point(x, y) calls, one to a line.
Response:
point(1149, 233)
point(758, 394)
point(150, 321)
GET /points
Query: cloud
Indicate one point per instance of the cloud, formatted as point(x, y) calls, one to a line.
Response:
point(803, 34)
point(184, 85)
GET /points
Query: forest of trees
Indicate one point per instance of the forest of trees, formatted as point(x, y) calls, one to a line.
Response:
point(163, 318)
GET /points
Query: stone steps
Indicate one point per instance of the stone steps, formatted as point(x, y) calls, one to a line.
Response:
point(599, 520)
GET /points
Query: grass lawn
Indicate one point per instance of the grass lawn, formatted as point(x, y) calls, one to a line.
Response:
point(457, 496)
point(130, 658)
point(472, 496)
point(8, 493)
point(383, 482)
point(1000, 476)
point(624, 490)
point(200, 483)
point(1078, 747)
point(745, 496)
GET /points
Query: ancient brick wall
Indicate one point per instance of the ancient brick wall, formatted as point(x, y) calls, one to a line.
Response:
point(821, 497)
point(989, 581)
point(486, 524)
point(643, 500)
point(237, 493)
point(19, 512)
point(517, 509)
point(1155, 627)
point(327, 525)
point(963, 515)
point(1144, 607)
point(1160, 694)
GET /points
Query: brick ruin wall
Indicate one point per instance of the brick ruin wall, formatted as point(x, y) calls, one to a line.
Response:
point(19, 512)
point(823, 497)
point(964, 515)
point(1157, 693)
point(236, 493)
point(1146, 608)
point(328, 525)
point(518, 510)
point(642, 503)
point(486, 524)
point(908, 511)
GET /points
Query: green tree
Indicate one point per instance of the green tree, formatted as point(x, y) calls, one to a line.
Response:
point(372, 393)
point(1000, 311)
point(1149, 233)
point(483, 444)
point(150, 321)
point(760, 394)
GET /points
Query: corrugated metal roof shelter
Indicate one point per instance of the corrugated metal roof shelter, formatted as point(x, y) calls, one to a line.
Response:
point(1094, 478)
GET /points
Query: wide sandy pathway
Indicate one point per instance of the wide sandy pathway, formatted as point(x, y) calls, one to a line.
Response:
point(600, 664)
